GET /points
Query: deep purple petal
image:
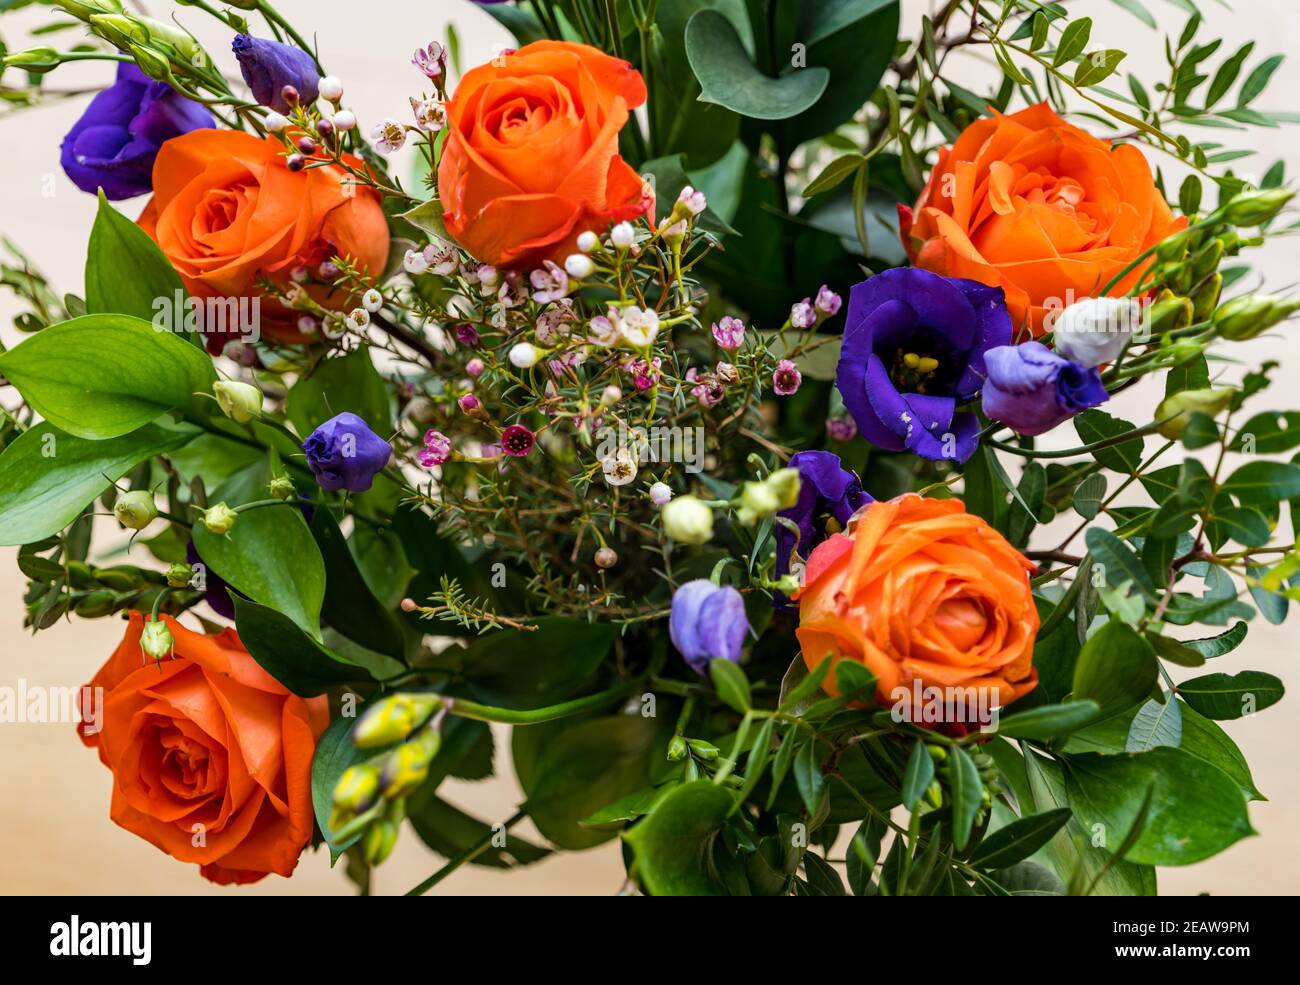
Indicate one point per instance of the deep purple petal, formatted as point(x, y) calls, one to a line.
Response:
point(269, 66)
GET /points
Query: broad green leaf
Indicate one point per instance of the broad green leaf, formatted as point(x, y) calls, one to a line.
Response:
point(126, 272)
point(1120, 564)
point(1196, 810)
point(808, 776)
point(1155, 724)
point(1257, 483)
point(1117, 667)
point(427, 217)
point(1095, 425)
point(1097, 66)
point(451, 832)
point(1269, 433)
point(300, 663)
point(270, 556)
point(1227, 696)
point(917, 776)
point(966, 788)
point(1217, 646)
point(1074, 38)
point(833, 174)
point(1205, 739)
point(729, 78)
point(1018, 840)
point(100, 376)
point(731, 684)
point(532, 668)
point(348, 605)
point(47, 477)
point(1049, 721)
point(672, 847)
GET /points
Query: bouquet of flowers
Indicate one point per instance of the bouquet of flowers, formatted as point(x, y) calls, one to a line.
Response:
point(721, 405)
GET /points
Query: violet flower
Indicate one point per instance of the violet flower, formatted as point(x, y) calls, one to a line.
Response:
point(343, 453)
point(1031, 389)
point(707, 623)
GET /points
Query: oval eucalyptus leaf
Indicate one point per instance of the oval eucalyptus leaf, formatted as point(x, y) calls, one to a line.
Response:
point(1224, 697)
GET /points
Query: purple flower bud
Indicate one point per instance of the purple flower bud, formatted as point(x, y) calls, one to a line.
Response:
point(707, 623)
point(1032, 389)
point(467, 335)
point(270, 68)
point(841, 428)
point(786, 378)
point(469, 403)
point(803, 314)
point(114, 143)
point(343, 453)
point(475, 367)
point(517, 441)
point(729, 333)
point(828, 302)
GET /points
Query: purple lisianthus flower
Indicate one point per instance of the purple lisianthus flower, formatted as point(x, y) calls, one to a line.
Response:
point(828, 496)
point(343, 453)
point(114, 143)
point(707, 623)
point(1031, 389)
point(269, 66)
point(913, 350)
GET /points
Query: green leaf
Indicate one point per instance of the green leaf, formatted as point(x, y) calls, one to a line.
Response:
point(300, 663)
point(1095, 425)
point(728, 78)
point(1227, 696)
point(1049, 721)
point(1117, 667)
point(100, 376)
point(966, 789)
point(917, 776)
point(126, 272)
point(1018, 840)
point(529, 669)
point(1074, 38)
point(1120, 564)
point(270, 556)
point(427, 217)
point(1258, 80)
point(1227, 74)
point(1255, 483)
point(731, 684)
point(1097, 66)
point(334, 754)
point(1206, 740)
point(585, 767)
point(1089, 494)
point(349, 605)
point(451, 832)
point(1196, 810)
point(347, 383)
point(808, 776)
point(1155, 724)
point(1269, 433)
point(1217, 646)
point(833, 174)
point(672, 847)
point(47, 477)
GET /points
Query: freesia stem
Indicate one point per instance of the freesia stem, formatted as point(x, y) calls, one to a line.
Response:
point(471, 853)
point(535, 716)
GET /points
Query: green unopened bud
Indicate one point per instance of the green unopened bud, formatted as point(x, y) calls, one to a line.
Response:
point(1168, 313)
point(1250, 315)
point(705, 750)
point(357, 788)
point(218, 519)
point(40, 59)
point(80, 576)
point(156, 640)
point(85, 9)
point(394, 718)
point(785, 483)
point(172, 36)
point(1206, 297)
point(757, 500)
point(676, 748)
point(1173, 248)
point(379, 840)
point(282, 487)
point(118, 29)
point(239, 401)
point(934, 793)
point(1256, 208)
point(1175, 411)
point(151, 63)
point(179, 575)
point(407, 766)
point(688, 520)
point(136, 509)
point(1207, 259)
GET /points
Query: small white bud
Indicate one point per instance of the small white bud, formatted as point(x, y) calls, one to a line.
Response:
point(344, 119)
point(588, 241)
point(524, 355)
point(578, 265)
point(622, 235)
point(331, 88)
point(275, 122)
point(611, 395)
point(414, 262)
point(372, 300)
point(660, 493)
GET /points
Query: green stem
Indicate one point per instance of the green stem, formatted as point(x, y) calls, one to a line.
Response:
point(535, 716)
point(1117, 439)
point(471, 853)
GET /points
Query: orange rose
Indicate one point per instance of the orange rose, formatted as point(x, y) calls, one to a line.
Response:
point(919, 590)
point(211, 756)
point(227, 211)
point(1038, 207)
point(531, 158)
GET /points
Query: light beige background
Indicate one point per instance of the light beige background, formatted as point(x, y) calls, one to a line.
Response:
point(54, 794)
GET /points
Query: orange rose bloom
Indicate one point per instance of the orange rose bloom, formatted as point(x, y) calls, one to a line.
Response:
point(211, 756)
point(531, 158)
point(921, 590)
point(226, 211)
point(1038, 207)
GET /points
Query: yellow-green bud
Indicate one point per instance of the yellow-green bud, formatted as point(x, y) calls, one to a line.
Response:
point(85, 9)
point(151, 62)
point(1168, 313)
point(688, 520)
point(1250, 315)
point(705, 750)
point(1175, 411)
point(39, 59)
point(757, 500)
point(156, 640)
point(1206, 297)
point(123, 579)
point(179, 575)
point(785, 483)
point(676, 748)
point(119, 29)
point(357, 788)
point(379, 840)
point(218, 519)
point(1256, 208)
point(1207, 259)
point(239, 401)
point(136, 509)
point(282, 487)
point(393, 718)
point(407, 766)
